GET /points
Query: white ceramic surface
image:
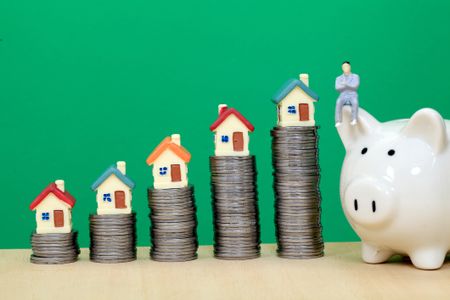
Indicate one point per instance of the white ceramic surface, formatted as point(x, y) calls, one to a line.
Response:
point(395, 186)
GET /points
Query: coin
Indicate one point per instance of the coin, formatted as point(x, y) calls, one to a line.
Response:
point(113, 238)
point(54, 248)
point(297, 194)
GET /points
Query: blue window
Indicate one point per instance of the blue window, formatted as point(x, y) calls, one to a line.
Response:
point(291, 109)
point(225, 138)
point(163, 171)
point(107, 197)
point(45, 216)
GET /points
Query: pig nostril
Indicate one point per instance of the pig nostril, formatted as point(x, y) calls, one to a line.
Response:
point(355, 204)
point(374, 206)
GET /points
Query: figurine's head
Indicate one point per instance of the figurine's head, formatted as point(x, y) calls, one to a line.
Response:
point(346, 68)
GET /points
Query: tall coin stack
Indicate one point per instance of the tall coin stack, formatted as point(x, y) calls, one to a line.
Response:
point(173, 228)
point(113, 238)
point(235, 207)
point(297, 194)
point(54, 248)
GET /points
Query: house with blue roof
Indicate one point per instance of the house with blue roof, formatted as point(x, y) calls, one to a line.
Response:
point(295, 103)
point(113, 189)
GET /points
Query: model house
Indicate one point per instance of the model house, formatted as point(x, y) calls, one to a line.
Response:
point(169, 162)
point(295, 103)
point(53, 209)
point(113, 189)
point(231, 132)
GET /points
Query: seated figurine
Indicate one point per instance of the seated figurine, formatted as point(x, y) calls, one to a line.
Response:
point(347, 84)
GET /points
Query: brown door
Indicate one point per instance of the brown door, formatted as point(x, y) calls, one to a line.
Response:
point(304, 111)
point(58, 217)
point(175, 173)
point(238, 141)
point(119, 198)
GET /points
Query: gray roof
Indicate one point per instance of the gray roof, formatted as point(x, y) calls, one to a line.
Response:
point(112, 170)
point(289, 86)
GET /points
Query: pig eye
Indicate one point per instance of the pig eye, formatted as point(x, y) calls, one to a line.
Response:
point(391, 152)
point(364, 151)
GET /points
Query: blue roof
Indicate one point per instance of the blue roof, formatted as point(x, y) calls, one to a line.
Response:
point(112, 170)
point(289, 86)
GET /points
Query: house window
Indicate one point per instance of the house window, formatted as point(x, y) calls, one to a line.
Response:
point(107, 197)
point(45, 216)
point(225, 138)
point(163, 171)
point(291, 109)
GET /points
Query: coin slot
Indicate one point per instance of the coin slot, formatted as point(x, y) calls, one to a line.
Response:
point(374, 206)
point(355, 204)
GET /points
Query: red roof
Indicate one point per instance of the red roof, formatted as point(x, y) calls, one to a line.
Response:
point(52, 188)
point(225, 113)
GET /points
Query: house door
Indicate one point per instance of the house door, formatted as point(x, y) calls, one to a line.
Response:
point(119, 199)
point(175, 173)
point(304, 111)
point(58, 217)
point(238, 141)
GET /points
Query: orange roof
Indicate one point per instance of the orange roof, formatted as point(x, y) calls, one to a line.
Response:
point(180, 151)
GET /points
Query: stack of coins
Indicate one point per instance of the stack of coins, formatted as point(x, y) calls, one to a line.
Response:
point(297, 194)
point(113, 238)
point(235, 207)
point(173, 228)
point(54, 248)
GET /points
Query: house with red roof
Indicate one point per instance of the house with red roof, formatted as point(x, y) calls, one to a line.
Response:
point(53, 208)
point(169, 160)
point(231, 132)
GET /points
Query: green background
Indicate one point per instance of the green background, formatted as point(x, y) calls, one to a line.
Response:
point(86, 83)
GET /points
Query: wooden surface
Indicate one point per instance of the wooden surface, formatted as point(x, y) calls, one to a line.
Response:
point(339, 275)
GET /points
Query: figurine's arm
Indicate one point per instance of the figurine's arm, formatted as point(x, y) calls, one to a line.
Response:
point(340, 84)
point(354, 82)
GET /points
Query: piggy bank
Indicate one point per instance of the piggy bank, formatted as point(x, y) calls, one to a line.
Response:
point(395, 186)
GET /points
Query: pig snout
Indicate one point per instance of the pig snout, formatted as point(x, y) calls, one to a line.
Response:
point(369, 202)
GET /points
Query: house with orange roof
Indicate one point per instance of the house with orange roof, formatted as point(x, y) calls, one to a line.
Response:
point(53, 208)
point(231, 130)
point(169, 160)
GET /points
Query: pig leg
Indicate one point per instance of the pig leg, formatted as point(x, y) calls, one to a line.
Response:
point(428, 259)
point(375, 255)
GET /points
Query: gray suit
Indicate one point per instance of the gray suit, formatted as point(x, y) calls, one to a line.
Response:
point(347, 85)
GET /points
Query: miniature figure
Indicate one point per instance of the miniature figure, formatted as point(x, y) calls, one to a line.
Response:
point(231, 132)
point(394, 187)
point(347, 84)
point(114, 191)
point(295, 103)
point(169, 162)
point(53, 209)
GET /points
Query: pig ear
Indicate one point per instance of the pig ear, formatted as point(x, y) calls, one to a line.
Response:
point(366, 125)
point(429, 126)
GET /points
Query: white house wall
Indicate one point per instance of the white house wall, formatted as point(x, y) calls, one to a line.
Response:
point(166, 159)
point(228, 127)
point(295, 97)
point(48, 205)
point(110, 186)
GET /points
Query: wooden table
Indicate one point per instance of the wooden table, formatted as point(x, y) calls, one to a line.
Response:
point(339, 275)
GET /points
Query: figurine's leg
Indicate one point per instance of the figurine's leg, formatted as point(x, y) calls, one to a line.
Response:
point(375, 255)
point(428, 259)
point(338, 114)
point(355, 107)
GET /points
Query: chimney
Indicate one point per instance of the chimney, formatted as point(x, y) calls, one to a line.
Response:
point(222, 108)
point(176, 139)
point(305, 79)
point(60, 185)
point(122, 167)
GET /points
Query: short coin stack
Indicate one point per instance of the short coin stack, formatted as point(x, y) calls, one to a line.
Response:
point(173, 228)
point(297, 194)
point(54, 248)
point(235, 207)
point(113, 238)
